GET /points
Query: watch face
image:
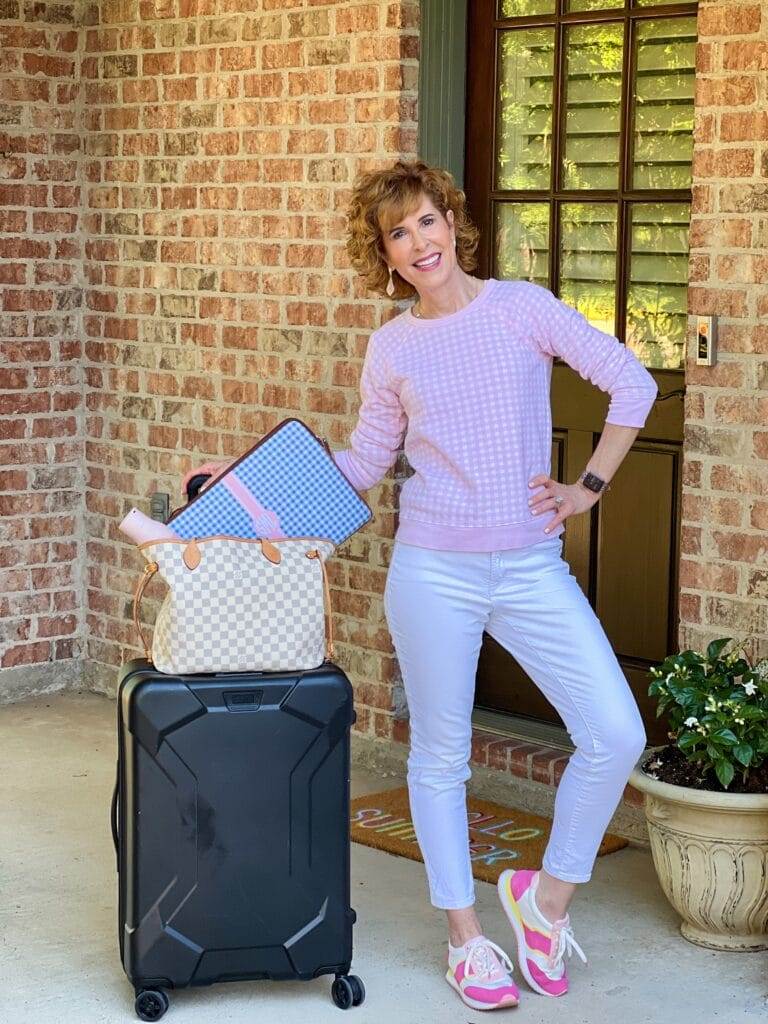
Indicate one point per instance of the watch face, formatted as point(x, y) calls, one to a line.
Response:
point(593, 483)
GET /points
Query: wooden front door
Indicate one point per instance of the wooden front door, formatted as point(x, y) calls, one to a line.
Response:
point(579, 135)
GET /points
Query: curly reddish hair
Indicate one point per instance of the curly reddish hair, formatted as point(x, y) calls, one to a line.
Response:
point(381, 198)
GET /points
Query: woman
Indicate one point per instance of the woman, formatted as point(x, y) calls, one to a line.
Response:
point(462, 376)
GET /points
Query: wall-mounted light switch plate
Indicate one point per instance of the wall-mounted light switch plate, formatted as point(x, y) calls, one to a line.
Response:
point(706, 340)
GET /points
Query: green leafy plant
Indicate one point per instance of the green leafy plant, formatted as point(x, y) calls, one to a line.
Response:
point(717, 706)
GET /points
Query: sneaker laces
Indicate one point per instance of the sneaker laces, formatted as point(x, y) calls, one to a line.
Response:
point(480, 960)
point(566, 944)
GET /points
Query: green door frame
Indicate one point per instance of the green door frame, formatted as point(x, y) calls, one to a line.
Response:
point(442, 85)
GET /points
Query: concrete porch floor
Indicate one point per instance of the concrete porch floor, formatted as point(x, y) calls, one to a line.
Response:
point(58, 952)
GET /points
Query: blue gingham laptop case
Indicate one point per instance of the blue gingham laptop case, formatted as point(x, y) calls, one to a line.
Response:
point(290, 473)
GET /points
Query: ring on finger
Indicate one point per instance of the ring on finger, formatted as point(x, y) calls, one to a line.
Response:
point(559, 499)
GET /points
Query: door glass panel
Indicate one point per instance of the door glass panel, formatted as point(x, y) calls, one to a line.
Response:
point(663, 103)
point(588, 261)
point(517, 8)
point(524, 129)
point(593, 105)
point(658, 283)
point(595, 5)
point(521, 242)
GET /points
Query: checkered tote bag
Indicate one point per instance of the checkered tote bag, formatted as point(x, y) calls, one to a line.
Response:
point(239, 605)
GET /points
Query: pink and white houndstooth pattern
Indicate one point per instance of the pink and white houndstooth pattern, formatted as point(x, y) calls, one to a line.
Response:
point(237, 611)
point(470, 394)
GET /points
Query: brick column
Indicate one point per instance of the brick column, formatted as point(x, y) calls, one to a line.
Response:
point(724, 569)
point(41, 411)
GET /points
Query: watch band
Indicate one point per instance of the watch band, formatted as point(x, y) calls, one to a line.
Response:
point(593, 482)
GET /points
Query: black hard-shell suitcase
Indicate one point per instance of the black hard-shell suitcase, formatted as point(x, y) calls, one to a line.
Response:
point(231, 828)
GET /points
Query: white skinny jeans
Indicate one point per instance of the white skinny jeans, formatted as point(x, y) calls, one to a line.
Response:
point(438, 603)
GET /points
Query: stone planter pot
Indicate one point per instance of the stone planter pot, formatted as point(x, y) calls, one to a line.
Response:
point(710, 851)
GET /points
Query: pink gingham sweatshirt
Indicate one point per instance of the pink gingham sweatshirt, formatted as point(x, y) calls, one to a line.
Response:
point(470, 392)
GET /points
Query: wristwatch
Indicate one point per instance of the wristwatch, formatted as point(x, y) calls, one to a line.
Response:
point(593, 482)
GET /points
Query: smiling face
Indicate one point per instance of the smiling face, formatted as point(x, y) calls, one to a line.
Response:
point(420, 246)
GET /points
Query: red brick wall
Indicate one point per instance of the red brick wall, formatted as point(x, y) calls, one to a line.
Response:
point(220, 151)
point(41, 413)
point(724, 570)
point(174, 232)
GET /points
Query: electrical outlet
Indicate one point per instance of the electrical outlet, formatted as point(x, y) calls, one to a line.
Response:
point(159, 506)
point(706, 339)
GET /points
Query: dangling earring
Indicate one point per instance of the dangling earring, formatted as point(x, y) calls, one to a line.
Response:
point(391, 285)
point(454, 241)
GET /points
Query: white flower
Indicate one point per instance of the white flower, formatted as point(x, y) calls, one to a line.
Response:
point(690, 722)
point(749, 688)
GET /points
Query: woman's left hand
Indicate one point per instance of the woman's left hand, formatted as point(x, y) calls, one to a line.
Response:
point(575, 499)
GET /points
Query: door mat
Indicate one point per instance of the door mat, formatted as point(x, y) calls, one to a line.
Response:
point(499, 837)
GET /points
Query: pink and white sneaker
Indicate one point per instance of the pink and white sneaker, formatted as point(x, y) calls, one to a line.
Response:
point(480, 976)
point(541, 945)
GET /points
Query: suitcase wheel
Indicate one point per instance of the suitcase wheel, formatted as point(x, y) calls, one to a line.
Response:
point(347, 991)
point(151, 1004)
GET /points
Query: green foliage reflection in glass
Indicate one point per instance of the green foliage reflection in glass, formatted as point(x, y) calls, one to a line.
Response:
point(595, 5)
point(519, 8)
point(658, 281)
point(588, 261)
point(653, 3)
point(522, 242)
point(664, 85)
point(594, 56)
point(524, 132)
